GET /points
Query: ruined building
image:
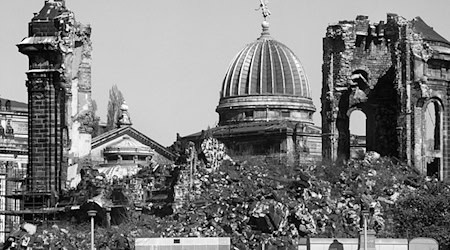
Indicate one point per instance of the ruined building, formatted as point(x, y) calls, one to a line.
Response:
point(397, 73)
point(13, 160)
point(60, 116)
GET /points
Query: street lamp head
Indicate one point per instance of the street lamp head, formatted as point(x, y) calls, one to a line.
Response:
point(92, 213)
point(365, 213)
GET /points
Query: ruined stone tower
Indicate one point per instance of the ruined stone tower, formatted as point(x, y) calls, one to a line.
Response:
point(59, 100)
point(397, 73)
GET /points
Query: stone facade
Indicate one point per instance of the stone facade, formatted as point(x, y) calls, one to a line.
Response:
point(59, 98)
point(13, 161)
point(124, 151)
point(297, 142)
point(397, 73)
point(13, 131)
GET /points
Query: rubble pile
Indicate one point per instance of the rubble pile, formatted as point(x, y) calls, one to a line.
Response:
point(181, 190)
point(314, 200)
point(92, 184)
point(256, 200)
point(72, 237)
point(372, 184)
point(262, 201)
point(250, 204)
point(214, 153)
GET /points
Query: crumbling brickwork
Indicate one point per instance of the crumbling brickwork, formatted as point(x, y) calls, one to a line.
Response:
point(397, 73)
point(59, 98)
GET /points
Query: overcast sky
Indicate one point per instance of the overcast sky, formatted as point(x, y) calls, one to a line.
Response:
point(169, 57)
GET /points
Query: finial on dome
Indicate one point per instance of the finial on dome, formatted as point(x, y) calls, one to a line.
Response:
point(266, 13)
point(265, 28)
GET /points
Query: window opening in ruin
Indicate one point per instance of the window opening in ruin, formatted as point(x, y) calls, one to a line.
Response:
point(248, 114)
point(357, 129)
point(360, 79)
point(432, 138)
point(432, 127)
point(433, 167)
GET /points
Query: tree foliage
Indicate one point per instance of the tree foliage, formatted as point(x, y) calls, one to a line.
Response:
point(115, 101)
point(96, 128)
point(424, 212)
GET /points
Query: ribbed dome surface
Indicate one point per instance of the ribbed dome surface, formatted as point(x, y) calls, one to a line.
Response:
point(265, 67)
point(265, 82)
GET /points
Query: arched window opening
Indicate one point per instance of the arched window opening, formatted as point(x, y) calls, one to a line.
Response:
point(432, 138)
point(357, 128)
point(432, 127)
point(360, 79)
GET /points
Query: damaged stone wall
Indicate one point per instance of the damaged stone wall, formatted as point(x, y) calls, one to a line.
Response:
point(391, 71)
point(80, 116)
point(59, 97)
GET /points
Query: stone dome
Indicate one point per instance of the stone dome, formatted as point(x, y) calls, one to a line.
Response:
point(265, 81)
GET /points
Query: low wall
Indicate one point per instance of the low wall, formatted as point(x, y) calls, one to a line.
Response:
point(391, 244)
point(213, 243)
point(352, 244)
point(324, 243)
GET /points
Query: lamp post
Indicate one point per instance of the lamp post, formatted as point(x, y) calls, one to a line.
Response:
point(366, 215)
point(92, 213)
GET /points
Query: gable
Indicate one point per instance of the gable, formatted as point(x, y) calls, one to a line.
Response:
point(117, 142)
point(117, 135)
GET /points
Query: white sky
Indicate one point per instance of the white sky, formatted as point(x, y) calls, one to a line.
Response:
point(169, 57)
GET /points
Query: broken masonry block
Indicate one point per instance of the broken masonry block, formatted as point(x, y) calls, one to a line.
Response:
point(362, 27)
point(268, 215)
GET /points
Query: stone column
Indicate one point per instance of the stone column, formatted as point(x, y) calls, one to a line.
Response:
point(45, 131)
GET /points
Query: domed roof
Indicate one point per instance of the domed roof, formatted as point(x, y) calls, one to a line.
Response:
point(265, 82)
point(265, 67)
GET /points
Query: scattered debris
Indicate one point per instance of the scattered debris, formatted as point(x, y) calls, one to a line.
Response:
point(255, 200)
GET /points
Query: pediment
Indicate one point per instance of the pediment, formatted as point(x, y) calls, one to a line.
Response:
point(128, 137)
point(126, 141)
